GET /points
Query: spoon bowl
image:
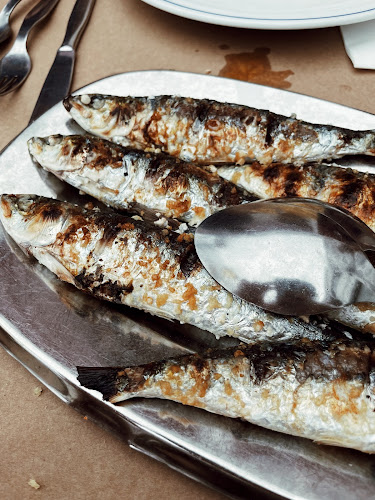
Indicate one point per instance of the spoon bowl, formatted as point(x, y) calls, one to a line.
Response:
point(291, 256)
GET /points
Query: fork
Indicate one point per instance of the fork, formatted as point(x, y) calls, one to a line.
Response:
point(5, 30)
point(16, 65)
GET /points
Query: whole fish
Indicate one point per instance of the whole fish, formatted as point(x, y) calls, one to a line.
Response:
point(131, 262)
point(206, 131)
point(324, 391)
point(125, 178)
point(344, 187)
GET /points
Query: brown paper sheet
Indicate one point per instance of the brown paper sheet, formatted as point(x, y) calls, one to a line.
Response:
point(41, 438)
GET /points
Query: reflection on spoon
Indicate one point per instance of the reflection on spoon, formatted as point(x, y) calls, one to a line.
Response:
point(290, 256)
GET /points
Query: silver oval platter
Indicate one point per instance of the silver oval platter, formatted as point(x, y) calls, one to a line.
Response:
point(51, 327)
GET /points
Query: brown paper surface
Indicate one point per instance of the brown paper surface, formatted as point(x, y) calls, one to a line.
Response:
point(41, 438)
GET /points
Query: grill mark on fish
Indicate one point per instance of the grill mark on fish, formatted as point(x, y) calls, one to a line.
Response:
point(121, 259)
point(51, 213)
point(207, 131)
point(319, 390)
point(100, 288)
point(330, 184)
point(126, 178)
point(349, 189)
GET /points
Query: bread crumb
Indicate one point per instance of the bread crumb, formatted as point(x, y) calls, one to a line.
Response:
point(34, 484)
point(38, 391)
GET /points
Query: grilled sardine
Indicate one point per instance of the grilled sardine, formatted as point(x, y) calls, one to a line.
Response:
point(122, 178)
point(131, 262)
point(125, 178)
point(323, 391)
point(207, 131)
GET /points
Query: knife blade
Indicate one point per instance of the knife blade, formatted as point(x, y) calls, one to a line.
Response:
point(58, 81)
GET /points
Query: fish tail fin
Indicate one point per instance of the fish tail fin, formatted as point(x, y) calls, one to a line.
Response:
point(100, 379)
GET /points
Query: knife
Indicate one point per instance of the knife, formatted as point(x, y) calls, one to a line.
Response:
point(59, 78)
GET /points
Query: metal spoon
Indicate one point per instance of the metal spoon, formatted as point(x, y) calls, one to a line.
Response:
point(290, 255)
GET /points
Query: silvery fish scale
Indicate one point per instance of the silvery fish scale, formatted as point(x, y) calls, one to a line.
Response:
point(51, 327)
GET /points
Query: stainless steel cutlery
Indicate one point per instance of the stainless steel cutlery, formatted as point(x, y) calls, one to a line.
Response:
point(5, 30)
point(16, 65)
point(57, 83)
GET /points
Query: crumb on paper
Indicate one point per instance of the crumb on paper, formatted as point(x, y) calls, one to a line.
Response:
point(38, 391)
point(34, 484)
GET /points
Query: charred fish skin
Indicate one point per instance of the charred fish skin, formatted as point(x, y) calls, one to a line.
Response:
point(130, 262)
point(125, 178)
point(206, 131)
point(344, 187)
point(120, 177)
point(320, 391)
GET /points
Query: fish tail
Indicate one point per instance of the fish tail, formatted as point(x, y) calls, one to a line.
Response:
point(100, 379)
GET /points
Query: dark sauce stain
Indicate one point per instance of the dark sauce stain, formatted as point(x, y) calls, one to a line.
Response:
point(255, 67)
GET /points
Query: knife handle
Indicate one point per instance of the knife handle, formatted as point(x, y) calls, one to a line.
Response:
point(77, 22)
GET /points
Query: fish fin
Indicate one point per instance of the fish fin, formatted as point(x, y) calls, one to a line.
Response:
point(100, 379)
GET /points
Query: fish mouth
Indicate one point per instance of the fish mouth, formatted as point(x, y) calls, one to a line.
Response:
point(84, 101)
point(21, 203)
point(29, 221)
point(35, 144)
point(68, 102)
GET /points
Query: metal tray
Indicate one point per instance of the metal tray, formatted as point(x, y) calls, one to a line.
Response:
point(50, 328)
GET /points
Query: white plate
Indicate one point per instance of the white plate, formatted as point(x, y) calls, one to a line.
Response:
point(271, 14)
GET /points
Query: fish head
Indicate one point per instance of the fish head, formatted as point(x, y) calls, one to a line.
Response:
point(32, 220)
point(58, 153)
point(96, 112)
